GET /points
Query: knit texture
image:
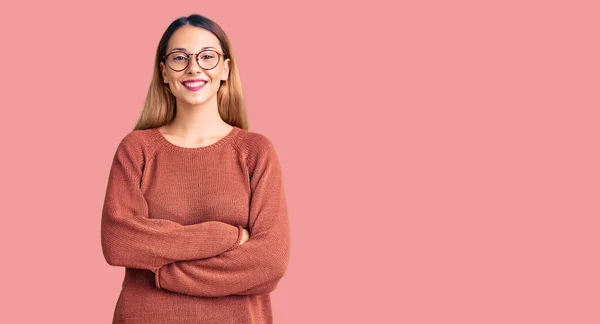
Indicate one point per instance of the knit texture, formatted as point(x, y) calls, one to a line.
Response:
point(180, 212)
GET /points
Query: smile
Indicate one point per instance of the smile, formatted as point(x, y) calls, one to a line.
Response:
point(194, 86)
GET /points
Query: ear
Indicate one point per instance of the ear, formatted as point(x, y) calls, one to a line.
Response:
point(164, 72)
point(225, 73)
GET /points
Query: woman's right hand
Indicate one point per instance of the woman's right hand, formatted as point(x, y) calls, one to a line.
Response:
point(245, 236)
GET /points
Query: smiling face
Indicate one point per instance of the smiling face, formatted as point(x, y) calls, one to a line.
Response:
point(191, 40)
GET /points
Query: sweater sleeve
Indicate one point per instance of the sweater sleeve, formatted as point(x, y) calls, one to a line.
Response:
point(129, 238)
point(254, 267)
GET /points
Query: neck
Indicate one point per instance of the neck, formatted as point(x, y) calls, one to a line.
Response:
point(198, 120)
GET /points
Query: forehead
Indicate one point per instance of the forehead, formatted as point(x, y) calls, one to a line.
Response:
point(193, 39)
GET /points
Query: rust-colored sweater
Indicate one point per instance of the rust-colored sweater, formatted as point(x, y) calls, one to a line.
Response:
point(180, 212)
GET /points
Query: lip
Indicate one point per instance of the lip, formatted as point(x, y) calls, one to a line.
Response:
point(194, 88)
point(194, 80)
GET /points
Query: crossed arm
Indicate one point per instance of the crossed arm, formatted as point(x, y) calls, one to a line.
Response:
point(254, 267)
point(205, 259)
point(130, 239)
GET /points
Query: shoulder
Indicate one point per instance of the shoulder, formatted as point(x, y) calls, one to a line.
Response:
point(250, 142)
point(133, 139)
point(139, 143)
point(255, 147)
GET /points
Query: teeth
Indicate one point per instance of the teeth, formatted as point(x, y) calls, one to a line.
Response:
point(194, 84)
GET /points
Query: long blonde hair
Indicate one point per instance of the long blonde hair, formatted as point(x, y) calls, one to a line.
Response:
point(160, 106)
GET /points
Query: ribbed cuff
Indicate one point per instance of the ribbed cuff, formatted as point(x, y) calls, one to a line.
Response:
point(157, 278)
point(239, 238)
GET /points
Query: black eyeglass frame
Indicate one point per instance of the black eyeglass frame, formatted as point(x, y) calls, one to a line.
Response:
point(220, 54)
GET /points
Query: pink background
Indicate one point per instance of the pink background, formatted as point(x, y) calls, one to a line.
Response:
point(441, 159)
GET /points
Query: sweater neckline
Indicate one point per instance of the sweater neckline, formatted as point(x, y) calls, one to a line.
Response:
point(166, 143)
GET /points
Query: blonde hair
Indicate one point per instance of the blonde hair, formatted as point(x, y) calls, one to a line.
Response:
point(160, 105)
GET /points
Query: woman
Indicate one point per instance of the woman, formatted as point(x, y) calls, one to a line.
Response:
point(195, 208)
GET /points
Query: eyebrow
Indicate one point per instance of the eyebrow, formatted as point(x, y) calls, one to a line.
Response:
point(183, 49)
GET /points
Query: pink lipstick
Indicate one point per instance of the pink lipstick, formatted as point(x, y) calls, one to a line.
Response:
point(194, 85)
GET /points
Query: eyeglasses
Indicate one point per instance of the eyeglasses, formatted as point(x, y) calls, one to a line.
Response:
point(179, 61)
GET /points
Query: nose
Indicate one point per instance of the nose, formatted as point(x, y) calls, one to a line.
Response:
point(193, 66)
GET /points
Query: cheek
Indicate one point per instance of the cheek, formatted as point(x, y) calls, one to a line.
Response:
point(174, 80)
point(215, 74)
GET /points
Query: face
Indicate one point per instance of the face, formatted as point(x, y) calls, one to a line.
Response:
point(191, 40)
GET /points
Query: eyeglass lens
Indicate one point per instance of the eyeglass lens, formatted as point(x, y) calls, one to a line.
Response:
point(179, 60)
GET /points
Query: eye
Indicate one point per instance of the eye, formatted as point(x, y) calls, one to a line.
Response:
point(177, 57)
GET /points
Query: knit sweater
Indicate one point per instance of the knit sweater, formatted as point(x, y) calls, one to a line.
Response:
point(180, 212)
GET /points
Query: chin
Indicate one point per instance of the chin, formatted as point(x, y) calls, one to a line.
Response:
point(201, 100)
point(196, 101)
